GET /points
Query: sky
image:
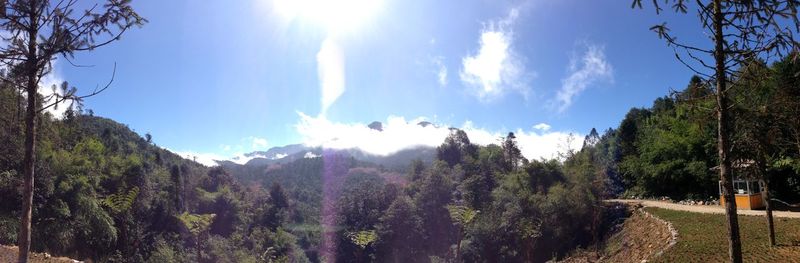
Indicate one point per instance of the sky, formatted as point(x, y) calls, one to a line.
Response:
point(220, 78)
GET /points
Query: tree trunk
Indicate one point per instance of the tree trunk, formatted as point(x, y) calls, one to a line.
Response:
point(770, 223)
point(31, 70)
point(723, 141)
point(24, 236)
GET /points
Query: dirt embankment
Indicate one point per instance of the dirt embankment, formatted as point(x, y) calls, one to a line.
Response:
point(640, 238)
point(9, 254)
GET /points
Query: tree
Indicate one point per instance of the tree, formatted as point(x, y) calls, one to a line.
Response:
point(456, 148)
point(37, 32)
point(740, 31)
point(279, 211)
point(362, 239)
point(435, 192)
point(512, 156)
point(591, 139)
point(399, 232)
point(462, 216)
point(197, 224)
point(755, 126)
point(178, 186)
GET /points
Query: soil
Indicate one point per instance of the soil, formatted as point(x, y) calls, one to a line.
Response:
point(641, 237)
point(9, 254)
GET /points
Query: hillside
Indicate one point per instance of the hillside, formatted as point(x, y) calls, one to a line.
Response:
point(639, 237)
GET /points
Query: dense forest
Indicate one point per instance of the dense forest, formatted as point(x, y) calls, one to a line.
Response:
point(105, 193)
point(669, 148)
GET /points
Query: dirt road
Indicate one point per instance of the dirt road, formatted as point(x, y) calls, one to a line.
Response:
point(708, 209)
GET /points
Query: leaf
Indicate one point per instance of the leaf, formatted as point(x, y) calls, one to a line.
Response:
point(461, 215)
point(362, 238)
point(196, 223)
point(122, 201)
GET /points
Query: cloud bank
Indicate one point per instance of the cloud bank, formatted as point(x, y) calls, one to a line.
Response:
point(207, 159)
point(592, 67)
point(496, 68)
point(399, 133)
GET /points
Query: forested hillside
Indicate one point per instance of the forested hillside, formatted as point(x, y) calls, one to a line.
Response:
point(105, 193)
point(669, 149)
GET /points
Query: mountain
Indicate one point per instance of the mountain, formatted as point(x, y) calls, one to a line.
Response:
point(268, 156)
point(292, 152)
point(286, 154)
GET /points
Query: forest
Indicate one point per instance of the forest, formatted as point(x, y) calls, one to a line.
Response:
point(107, 194)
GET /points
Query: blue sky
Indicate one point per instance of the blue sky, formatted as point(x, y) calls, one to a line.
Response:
point(220, 78)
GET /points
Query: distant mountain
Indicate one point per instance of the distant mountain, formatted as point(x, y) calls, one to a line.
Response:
point(376, 125)
point(290, 153)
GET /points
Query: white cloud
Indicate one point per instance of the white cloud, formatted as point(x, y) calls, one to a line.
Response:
point(49, 86)
point(592, 67)
point(243, 159)
point(258, 143)
point(399, 133)
point(547, 145)
point(234, 153)
point(225, 147)
point(207, 159)
point(542, 126)
point(496, 68)
point(309, 155)
point(441, 70)
point(331, 73)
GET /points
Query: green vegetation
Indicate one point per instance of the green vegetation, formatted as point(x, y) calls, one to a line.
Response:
point(703, 238)
point(669, 148)
point(105, 193)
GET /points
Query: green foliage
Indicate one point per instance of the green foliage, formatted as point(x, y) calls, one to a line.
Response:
point(462, 215)
point(362, 238)
point(164, 252)
point(122, 201)
point(196, 223)
point(104, 193)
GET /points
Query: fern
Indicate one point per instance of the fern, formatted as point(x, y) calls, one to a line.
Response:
point(462, 215)
point(122, 201)
point(363, 238)
point(196, 223)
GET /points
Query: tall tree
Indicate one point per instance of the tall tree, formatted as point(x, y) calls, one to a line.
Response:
point(512, 156)
point(456, 148)
point(37, 32)
point(755, 127)
point(739, 31)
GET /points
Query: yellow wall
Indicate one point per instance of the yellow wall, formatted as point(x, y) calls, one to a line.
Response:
point(753, 201)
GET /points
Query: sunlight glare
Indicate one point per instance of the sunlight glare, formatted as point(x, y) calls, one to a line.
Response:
point(334, 15)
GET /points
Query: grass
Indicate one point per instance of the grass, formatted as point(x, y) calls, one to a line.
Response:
point(703, 238)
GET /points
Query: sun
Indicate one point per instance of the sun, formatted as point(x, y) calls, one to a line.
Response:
point(336, 16)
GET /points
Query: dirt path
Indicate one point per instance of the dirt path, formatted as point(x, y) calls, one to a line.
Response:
point(707, 209)
point(9, 254)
